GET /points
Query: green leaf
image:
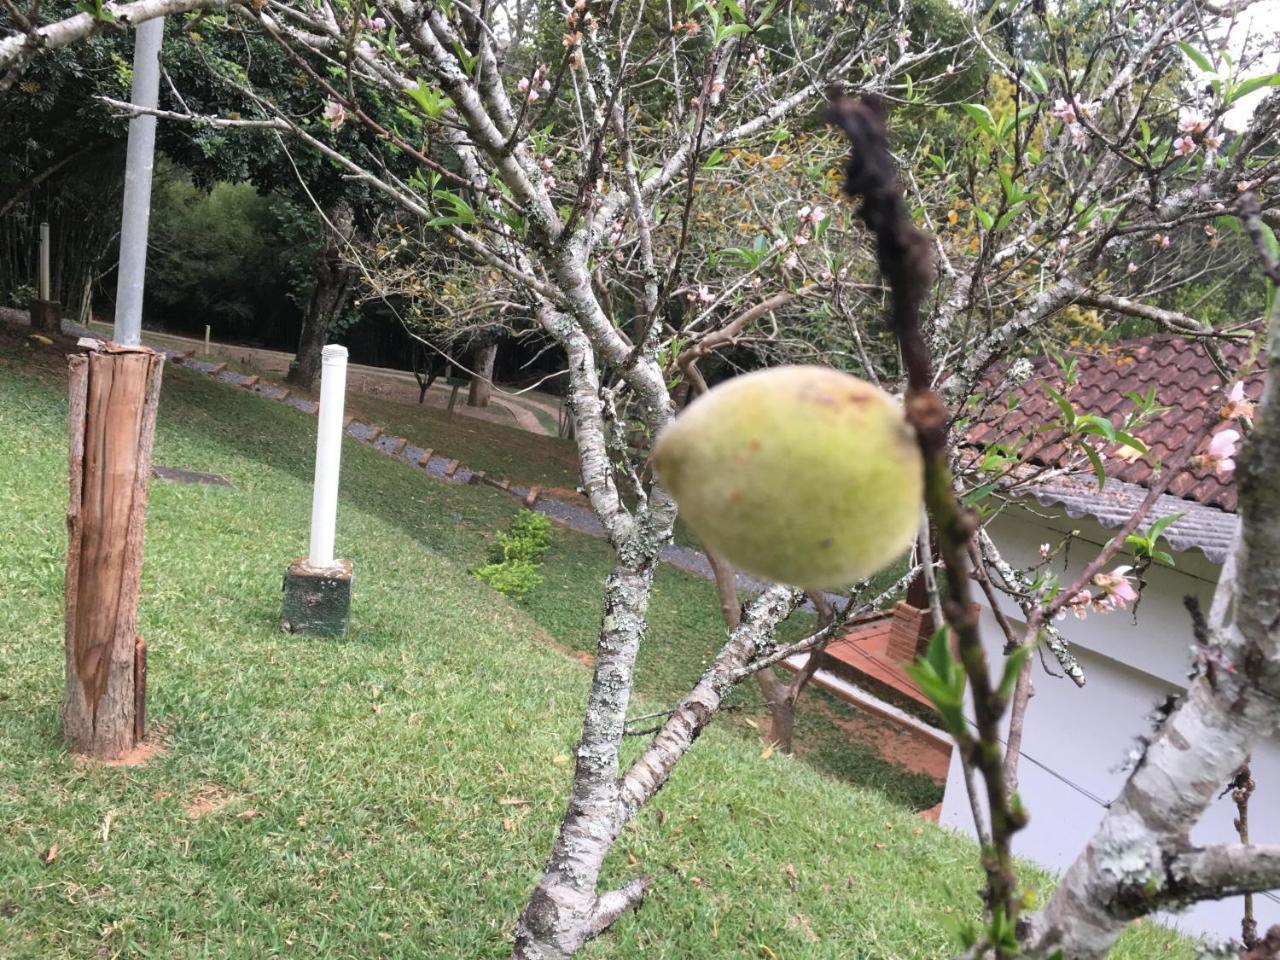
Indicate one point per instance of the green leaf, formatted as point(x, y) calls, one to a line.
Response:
point(95, 9)
point(980, 115)
point(733, 30)
point(1012, 667)
point(1196, 57)
point(1068, 411)
point(1162, 557)
point(1252, 84)
point(1156, 529)
point(1038, 82)
point(1098, 470)
point(1007, 217)
point(984, 218)
point(979, 493)
point(1098, 426)
point(1129, 440)
point(770, 7)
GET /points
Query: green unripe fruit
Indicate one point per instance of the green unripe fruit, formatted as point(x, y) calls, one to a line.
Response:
point(801, 475)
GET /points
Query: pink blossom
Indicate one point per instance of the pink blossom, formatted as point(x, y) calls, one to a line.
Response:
point(1193, 125)
point(1066, 112)
point(951, 69)
point(549, 183)
point(1184, 146)
point(791, 262)
point(365, 49)
point(523, 84)
point(1161, 240)
point(1213, 142)
point(1045, 550)
point(1064, 245)
point(1119, 590)
point(1079, 605)
point(1210, 230)
point(881, 60)
point(547, 164)
point(1244, 186)
point(335, 114)
point(377, 23)
point(717, 87)
point(1131, 268)
point(1237, 405)
point(1079, 138)
point(1221, 453)
point(904, 37)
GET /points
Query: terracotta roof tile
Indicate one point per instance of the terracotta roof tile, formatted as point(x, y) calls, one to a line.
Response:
point(1184, 379)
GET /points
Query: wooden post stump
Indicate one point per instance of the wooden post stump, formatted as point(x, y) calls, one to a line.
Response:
point(114, 394)
point(46, 316)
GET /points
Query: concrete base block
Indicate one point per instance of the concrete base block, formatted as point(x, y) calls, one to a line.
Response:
point(317, 602)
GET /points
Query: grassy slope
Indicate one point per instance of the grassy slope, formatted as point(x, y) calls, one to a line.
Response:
point(392, 794)
point(685, 614)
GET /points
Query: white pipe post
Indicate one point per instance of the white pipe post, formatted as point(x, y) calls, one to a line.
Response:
point(206, 339)
point(44, 262)
point(139, 162)
point(324, 502)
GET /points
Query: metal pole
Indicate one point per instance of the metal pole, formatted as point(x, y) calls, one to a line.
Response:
point(139, 162)
point(44, 262)
point(324, 502)
point(206, 339)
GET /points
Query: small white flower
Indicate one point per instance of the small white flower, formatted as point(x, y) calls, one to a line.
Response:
point(1131, 268)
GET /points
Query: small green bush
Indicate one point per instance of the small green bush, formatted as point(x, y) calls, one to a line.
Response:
point(514, 557)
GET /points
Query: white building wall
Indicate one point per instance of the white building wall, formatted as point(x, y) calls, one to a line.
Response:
point(1075, 740)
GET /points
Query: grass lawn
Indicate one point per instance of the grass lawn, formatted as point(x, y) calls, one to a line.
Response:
point(392, 794)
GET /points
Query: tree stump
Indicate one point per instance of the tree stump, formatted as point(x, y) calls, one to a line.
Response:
point(114, 394)
point(46, 316)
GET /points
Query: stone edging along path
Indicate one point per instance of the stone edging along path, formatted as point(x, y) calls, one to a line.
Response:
point(441, 467)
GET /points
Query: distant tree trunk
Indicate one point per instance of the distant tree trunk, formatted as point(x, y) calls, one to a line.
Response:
point(482, 380)
point(111, 425)
point(333, 276)
point(780, 697)
point(425, 370)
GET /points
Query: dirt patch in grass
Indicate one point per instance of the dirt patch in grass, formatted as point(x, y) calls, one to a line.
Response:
point(901, 747)
point(209, 799)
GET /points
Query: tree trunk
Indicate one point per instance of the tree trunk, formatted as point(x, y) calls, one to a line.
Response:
point(482, 378)
point(111, 427)
point(333, 276)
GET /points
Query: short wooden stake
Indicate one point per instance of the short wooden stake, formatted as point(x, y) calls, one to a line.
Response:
point(114, 395)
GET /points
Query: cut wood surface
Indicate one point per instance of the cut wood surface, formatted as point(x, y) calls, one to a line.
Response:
point(114, 394)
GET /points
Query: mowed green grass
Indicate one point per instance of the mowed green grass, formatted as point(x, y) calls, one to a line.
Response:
point(391, 794)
